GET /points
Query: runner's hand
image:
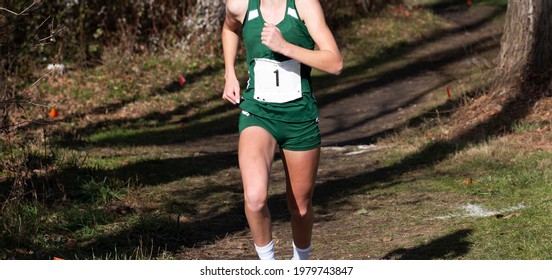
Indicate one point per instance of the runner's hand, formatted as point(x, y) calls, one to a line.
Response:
point(232, 91)
point(272, 38)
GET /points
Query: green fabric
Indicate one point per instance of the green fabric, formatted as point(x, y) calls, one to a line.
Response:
point(292, 136)
point(294, 31)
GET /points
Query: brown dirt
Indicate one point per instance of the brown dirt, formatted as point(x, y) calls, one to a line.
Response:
point(352, 223)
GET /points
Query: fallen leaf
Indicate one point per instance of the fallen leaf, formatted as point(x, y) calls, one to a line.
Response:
point(181, 80)
point(53, 113)
point(362, 212)
point(467, 181)
point(509, 216)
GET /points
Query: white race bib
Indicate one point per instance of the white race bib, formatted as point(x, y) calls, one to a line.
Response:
point(277, 82)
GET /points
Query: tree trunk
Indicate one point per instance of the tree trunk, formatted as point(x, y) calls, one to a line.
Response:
point(526, 47)
point(522, 78)
point(205, 25)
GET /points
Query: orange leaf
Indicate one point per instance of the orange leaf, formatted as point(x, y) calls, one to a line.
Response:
point(53, 113)
point(467, 181)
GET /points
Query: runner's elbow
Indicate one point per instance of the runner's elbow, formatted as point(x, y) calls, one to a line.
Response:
point(337, 67)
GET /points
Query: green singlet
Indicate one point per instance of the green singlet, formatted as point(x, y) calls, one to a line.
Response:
point(294, 31)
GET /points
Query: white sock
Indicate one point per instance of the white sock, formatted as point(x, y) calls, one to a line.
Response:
point(301, 254)
point(266, 252)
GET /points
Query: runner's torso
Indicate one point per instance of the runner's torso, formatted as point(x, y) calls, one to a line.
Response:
point(294, 31)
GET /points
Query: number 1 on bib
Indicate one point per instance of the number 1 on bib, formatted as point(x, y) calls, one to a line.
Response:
point(277, 77)
point(288, 80)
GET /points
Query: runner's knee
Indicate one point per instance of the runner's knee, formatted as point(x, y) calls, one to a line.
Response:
point(255, 202)
point(300, 209)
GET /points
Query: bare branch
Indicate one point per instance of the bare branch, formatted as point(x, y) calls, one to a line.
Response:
point(36, 82)
point(53, 34)
point(21, 13)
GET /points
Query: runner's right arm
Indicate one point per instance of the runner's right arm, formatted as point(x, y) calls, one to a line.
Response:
point(235, 12)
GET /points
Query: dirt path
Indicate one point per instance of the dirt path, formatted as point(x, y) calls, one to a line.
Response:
point(374, 106)
point(363, 111)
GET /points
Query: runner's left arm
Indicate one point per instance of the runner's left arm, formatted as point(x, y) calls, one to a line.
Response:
point(326, 57)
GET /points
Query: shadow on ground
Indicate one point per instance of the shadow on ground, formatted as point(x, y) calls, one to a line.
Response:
point(452, 246)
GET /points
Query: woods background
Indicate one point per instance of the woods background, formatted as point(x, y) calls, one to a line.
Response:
point(36, 33)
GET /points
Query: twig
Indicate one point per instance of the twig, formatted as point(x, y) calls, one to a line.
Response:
point(18, 14)
point(53, 34)
point(38, 80)
point(438, 112)
point(37, 104)
point(39, 26)
point(21, 124)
